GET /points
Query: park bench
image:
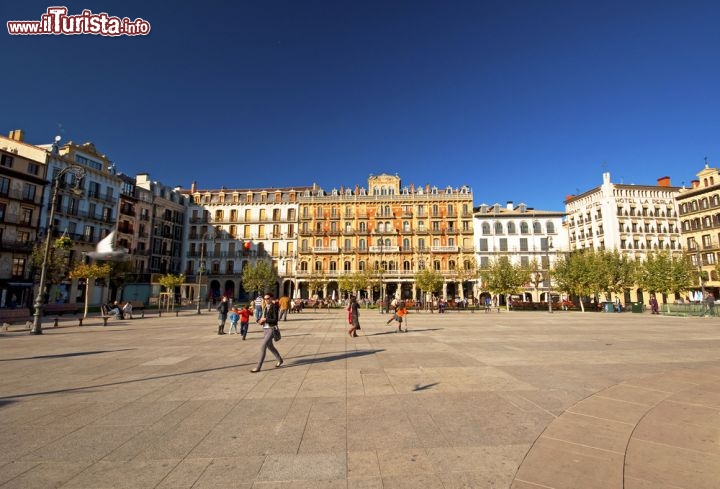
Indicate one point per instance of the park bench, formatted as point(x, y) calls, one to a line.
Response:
point(60, 309)
point(138, 307)
point(11, 316)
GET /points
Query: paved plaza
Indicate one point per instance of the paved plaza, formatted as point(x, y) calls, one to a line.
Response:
point(520, 400)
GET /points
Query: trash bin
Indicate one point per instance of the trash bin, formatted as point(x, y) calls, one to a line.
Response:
point(608, 307)
point(637, 307)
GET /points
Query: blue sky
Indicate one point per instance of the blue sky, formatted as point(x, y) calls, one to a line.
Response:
point(527, 101)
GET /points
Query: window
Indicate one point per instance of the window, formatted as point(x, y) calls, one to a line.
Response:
point(498, 228)
point(483, 245)
point(523, 244)
point(6, 161)
point(537, 229)
point(503, 244)
point(2, 212)
point(485, 228)
point(18, 267)
point(511, 228)
point(29, 191)
point(550, 227)
point(4, 185)
point(33, 169)
point(26, 217)
point(484, 262)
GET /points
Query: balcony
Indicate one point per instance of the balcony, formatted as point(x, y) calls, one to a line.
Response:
point(325, 249)
point(384, 249)
point(16, 246)
point(444, 249)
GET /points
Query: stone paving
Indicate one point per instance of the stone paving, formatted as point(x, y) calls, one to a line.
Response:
point(520, 400)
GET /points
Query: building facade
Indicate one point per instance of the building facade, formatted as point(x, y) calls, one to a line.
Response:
point(23, 172)
point(85, 211)
point(699, 209)
point(230, 229)
point(528, 237)
point(632, 219)
point(389, 229)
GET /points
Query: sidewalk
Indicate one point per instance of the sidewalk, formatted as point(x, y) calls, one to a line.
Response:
point(511, 400)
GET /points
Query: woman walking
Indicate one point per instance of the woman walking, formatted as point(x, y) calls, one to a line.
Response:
point(353, 317)
point(268, 320)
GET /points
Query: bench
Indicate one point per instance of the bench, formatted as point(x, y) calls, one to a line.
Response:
point(10, 316)
point(60, 309)
point(137, 306)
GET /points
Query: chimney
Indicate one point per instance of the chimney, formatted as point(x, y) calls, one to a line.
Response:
point(17, 135)
point(663, 182)
point(509, 205)
point(695, 183)
point(568, 197)
point(193, 187)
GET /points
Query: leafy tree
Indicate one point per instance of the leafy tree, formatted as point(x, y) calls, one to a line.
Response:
point(169, 282)
point(536, 275)
point(663, 273)
point(346, 283)
point(316, 283)
point(616, 272)
point(502, 277)
point(467, 270)
point(429, 281)
point(575, 275)
point(89, 272)
point(56, 264)
point(259, 277)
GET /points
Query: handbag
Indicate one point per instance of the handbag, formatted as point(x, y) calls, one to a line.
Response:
point(276, 334)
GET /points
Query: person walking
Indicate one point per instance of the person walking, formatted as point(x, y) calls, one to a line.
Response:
point(654, 305)
point(244, 320)
point(268, 320)
point(234, 317)
point(258, 307)
point(709, 305)
point(284, 307)
point(353, 316)
point(222, 310)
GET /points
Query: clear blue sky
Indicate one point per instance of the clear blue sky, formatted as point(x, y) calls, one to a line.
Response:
point(522, 100)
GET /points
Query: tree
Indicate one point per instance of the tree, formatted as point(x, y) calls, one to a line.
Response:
point(316, 283)
point(536, 276)
point(169, 282)
point(467, 270)
point(348, 283)
point(89, 272)
point(260, 277)
point(616, 272)
point(663, 273)
point(502, 277)
point(56, 263)
point(577, 275)
point(429, 281)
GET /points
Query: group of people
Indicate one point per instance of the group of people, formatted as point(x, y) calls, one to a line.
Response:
point(267, 315)
point(399, 312)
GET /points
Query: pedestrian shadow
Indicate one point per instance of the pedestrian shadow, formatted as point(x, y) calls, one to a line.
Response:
point(419, 387)
point(408, 331)
point(334, 358)
point(64, 355)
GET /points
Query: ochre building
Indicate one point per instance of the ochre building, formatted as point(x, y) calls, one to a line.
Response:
point(386, 229)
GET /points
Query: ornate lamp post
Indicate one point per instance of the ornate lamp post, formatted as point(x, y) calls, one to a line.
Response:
point(201, 269)
point(79, 173)
point(547, 256)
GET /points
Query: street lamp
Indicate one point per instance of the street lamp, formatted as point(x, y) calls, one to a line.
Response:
point(79, 173)
point(547, 257)
point(200, 269)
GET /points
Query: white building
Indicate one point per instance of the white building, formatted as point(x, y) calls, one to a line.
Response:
point(527, 236)
point(231, 229)
point(629, 218)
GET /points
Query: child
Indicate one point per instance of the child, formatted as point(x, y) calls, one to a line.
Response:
point(400, 313)
point(244, 320)
point(234, 317)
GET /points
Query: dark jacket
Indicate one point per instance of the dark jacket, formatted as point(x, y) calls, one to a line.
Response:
point(222, 310)
point(271, 314)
